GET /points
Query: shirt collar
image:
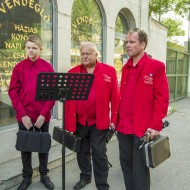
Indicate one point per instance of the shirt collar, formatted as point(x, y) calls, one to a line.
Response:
point(140, 63)
point(31, 62)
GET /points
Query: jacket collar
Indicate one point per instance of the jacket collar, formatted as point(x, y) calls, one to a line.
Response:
point(83, 69)
point(140, 63)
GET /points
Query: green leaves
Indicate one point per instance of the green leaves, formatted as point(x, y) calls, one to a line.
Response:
point(158, 9)
point(174, 27)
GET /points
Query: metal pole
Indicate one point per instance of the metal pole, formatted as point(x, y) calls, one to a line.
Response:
point(159, 19)
point(189, 34)
point(63, 149)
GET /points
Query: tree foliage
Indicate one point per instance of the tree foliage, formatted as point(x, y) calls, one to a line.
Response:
point(174, 27)
point(183, 7)
point(157, 9)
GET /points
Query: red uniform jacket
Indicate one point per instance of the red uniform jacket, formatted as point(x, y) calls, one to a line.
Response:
point(151, 95)
point(22, 90)
point(106, 90)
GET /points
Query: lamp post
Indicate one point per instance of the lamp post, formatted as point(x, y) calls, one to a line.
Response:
point(189, 34)
point(188, 91)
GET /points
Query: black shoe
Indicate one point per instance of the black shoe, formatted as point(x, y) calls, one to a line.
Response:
point(81, 184)
point(46, 181)
point(24, 184)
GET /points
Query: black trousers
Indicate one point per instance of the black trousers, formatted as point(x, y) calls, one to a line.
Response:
point(27, 156)
point(136, 174)
point(94, 143)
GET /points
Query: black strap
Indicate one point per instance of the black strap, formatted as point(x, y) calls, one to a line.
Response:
point(25, 140)
point(109, 164)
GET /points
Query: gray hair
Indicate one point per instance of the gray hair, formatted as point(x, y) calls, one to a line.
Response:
point(89, 44)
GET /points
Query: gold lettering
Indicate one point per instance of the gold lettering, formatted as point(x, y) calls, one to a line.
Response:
point(7, 3)
point(47, 18)
point(90, 21)
point(82, 19)
point(11, 45)
point(16, 27)
point(17, 55)
point(74, 24)
point(78, 21)
point(2, 8)
point(16, 2)
point(7, 64)
point(35, 30)
point(86, 19)
point(18, 37)
point(25, 29)
point(41, 12)
point(37, 8)
point(21, 28)
point(31, 4)
point(94, 38)
point(24, 3)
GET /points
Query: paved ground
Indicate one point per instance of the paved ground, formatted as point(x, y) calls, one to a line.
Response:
point(173, 174)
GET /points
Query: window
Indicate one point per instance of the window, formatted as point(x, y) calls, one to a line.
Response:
point(18, 19)
point(86, 25)
point(177, 73)
point(120, 55)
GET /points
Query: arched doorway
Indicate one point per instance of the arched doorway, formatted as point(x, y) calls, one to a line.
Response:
point(86, 25)
point(124, 22)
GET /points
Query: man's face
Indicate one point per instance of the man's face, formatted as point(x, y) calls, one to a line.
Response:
point(32, 50)
point(133, 46)
point(88, 56)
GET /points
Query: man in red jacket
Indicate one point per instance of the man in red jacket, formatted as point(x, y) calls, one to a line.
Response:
point(90, 118)
point(143, 103)
point(29, 112)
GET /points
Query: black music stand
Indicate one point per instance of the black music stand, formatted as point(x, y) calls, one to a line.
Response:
point(62, 87)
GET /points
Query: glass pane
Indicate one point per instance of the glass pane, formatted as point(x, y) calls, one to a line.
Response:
point(182, 64)
point(18, 19)
point(118, 25)
point(181, 86)
point(171, 82)
point(120, 55)
point(86, 25)
point(121, 25)
point(171, 62)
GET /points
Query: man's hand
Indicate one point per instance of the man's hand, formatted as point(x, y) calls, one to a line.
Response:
point(153, 133)
point(27, 122)
point(40, 121)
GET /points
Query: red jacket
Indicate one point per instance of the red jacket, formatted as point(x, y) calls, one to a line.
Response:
point(106, 89)
point(151, 95)
point(22, 90)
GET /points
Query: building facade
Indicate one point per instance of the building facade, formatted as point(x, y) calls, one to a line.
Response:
point(63, 25)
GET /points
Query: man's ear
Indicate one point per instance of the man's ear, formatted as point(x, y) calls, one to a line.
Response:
point(143, 45)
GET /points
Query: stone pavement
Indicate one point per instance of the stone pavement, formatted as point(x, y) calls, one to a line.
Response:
point(173, 174)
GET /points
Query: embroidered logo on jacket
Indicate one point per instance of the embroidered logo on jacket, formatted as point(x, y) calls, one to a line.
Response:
point(148, 79)
point(107, 78)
